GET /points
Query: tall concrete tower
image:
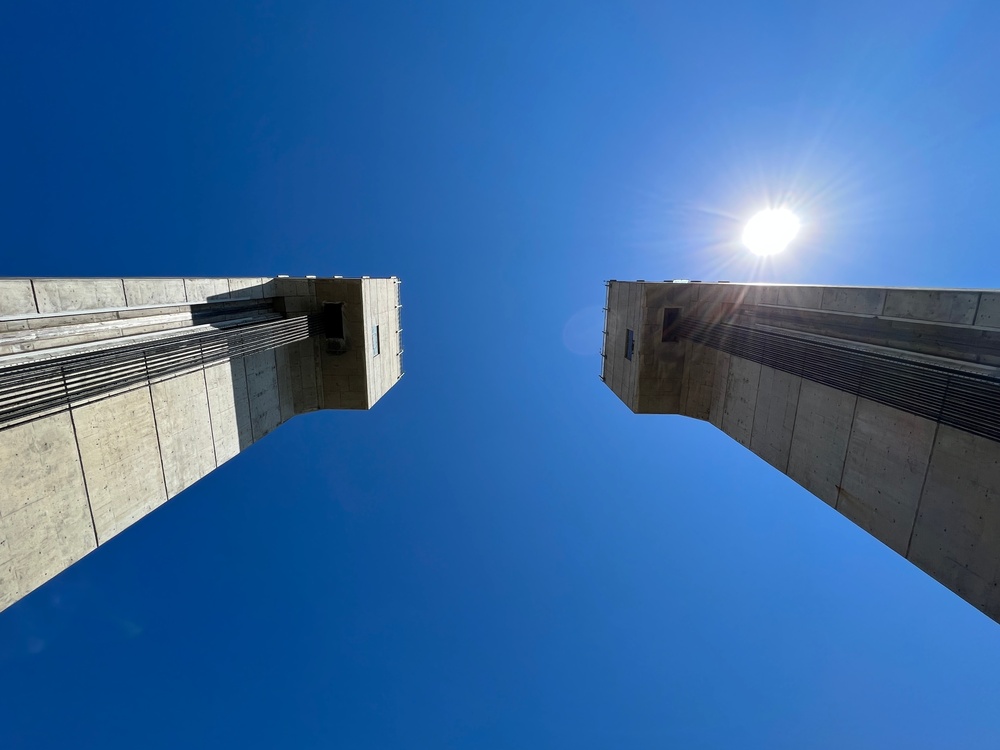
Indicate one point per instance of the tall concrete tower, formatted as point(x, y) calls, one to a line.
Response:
point(117, 394)
point(884, 403)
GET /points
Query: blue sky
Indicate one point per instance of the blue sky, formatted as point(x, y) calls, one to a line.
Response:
point(499, 555)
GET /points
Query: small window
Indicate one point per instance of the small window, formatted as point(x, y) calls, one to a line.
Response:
point(671, 317)
point(629, 343)
point(376, 344)
point(333, 320)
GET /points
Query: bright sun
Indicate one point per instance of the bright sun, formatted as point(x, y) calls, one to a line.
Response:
point(770, 231)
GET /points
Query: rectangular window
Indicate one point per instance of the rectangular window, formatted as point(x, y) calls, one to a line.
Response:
point(671, 317)
point(376, 343)
point(334, 327)
point(629, 343)
point(333, 320)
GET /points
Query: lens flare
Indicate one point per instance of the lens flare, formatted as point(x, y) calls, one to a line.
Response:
point(770, 231)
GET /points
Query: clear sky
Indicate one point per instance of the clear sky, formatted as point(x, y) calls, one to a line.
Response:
point(499, 555)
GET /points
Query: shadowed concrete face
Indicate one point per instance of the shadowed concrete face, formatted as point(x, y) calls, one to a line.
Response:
point(884, 403)
point(117, 394)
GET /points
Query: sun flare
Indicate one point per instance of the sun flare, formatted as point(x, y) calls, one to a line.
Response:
point(770, 231)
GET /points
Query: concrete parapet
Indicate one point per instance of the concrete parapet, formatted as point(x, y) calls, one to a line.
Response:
point(67, 295)
point(16, 297)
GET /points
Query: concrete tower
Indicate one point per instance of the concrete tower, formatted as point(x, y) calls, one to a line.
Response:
point(117, 394)
point(884, 403)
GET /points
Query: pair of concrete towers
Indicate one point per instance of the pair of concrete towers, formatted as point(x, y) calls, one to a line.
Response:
point(117, 394)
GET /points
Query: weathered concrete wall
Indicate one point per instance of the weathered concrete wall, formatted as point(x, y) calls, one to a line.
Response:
point(358, 377)
point(382, 311)
point(74, 477)
point(624, 314)
point(45, 518)
point(929, 491)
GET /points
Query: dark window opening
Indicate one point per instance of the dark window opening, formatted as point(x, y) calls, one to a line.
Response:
point(671, 319)
point(333, 320)
point(334, 327)
point(376, 343)
point(629, 343)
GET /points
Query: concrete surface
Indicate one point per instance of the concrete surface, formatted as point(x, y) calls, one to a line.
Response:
point(73, 477)
point(929, 491)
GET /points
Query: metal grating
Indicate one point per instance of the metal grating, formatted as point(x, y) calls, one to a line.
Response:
point(951, 396)
point(34, 388)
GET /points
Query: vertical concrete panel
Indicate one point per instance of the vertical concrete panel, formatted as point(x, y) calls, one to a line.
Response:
point(686, 382)
point(661, 365)
point(887, 459)
point(268, 286)
point(989, 310)
point(370, 303)
point(262, 388)
point(154, 291)
point(67, 295)
point(612, 324)
point(626, 368)
point(121, 460)
point(246, 288)
point(861, 301)
point(624, 314)
point(319, 373)
point(46, 538)
point(10, 589)
point(635, 299)
point(387, 365)
point(184, 427)
point(45, 521)
point(741, 399)
point(304, 359)
point(810, 297)
point(957, 535)
point(767, 295)
point(16, 297)
point(819, 443)
point(710, 296)
point(621, 369)
point(39, 460)
point(295, 287)
point(720, 386)
point(932, 304)
point(382, 361)
point(206, 290)
point(699, 379)
point(344, 375)
point(777, 402)
point(618, 345)
point(229, 406)
point(283, 369)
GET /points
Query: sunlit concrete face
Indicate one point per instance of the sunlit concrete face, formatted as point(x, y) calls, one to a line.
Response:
point(118, 394)
point(884, 403)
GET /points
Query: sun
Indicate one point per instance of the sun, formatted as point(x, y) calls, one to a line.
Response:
point(770, 231)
